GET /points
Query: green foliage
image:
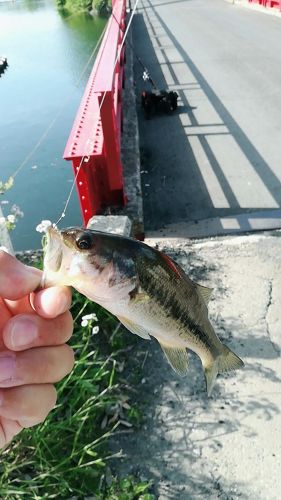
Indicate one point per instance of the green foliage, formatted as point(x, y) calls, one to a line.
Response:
point(135, 416)
point(129, 489)
point(101, 6)
point(67, 454)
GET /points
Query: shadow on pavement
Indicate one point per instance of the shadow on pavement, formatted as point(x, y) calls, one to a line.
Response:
point(184, 173)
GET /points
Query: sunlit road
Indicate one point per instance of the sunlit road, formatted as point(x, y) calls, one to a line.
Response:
point(220, 154)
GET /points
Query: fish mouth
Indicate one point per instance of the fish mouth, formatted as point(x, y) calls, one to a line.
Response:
point(53, 253)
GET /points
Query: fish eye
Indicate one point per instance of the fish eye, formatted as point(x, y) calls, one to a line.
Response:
point(84, 242)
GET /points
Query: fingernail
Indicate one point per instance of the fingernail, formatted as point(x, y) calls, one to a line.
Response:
point(57, 303)
point(7, 367)
point(23, 332)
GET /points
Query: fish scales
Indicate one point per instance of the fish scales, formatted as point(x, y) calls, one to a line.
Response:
point(145, 289)
point(159, 283)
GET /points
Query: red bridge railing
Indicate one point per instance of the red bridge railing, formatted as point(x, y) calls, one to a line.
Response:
point(93, 145)
point(267, 3)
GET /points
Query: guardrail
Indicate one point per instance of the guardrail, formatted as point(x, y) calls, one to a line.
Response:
point(267, 3)
point(93, 145)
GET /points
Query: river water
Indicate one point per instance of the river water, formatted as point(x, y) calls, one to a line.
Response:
point(46, 52)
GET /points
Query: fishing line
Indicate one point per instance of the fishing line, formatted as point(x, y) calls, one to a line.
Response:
point(146, 73)
point(83, 159)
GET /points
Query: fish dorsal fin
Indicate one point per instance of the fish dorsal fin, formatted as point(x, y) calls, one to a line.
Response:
point(172, 264)
point(177, 357)
point(136, 329)
point(204, 292)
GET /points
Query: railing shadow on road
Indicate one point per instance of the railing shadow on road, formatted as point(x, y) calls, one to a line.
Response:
point(177, 152)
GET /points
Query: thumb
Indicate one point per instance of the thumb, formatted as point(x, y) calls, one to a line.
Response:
point(16, 279)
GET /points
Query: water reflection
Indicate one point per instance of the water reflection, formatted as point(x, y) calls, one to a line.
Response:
point(47, 52)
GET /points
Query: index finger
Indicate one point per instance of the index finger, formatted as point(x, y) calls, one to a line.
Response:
point(16, 279)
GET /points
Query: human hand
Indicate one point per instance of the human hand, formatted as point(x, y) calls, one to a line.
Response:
point(34, 327)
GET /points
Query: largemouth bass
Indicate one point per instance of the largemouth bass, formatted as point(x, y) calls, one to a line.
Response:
point(148, 292)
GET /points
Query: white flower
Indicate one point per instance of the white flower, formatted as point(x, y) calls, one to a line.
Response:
point(43, 226)
point(11, 218)
point(88, 317)
point(91, 316)
point(95, 330)
point(145, 75)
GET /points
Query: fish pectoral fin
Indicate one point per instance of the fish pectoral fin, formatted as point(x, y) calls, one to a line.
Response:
point(210, 372)
point(136, 329)
point(205, 292)
point(139, 297)
point(177, 357)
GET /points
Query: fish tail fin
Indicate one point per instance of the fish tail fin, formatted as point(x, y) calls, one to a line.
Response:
point(226, 361)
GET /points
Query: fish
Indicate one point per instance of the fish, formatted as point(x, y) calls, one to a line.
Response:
point(146, 290)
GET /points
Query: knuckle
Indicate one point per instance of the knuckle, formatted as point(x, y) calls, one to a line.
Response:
point(67, 359)
point(51, 398)
point(37, 412)
point(56, 363)
point(65, 326)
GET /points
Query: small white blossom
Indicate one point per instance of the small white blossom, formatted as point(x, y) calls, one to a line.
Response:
point(145, 75)
point(88, 317)
point(11, 218)
point(92, 316)
point(95, 330)
point(43, 226)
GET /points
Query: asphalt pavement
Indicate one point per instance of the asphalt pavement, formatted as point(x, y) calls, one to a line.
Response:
point(214, 165)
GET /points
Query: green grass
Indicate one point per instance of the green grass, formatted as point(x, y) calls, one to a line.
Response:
point(67, 455)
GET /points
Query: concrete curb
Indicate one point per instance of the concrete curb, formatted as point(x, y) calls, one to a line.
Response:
point(130, 148)
point(114, 224)
point(262, 220)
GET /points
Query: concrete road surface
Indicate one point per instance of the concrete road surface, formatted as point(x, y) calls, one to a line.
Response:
point(228, 446)
point(215, 164)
